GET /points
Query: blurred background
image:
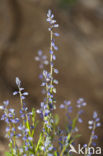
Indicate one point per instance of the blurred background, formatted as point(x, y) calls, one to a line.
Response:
point(23, 31)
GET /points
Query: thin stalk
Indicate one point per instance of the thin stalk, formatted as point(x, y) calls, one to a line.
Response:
point(64, 148)
point(14, 140)
point(91, 137)
point(21, 102)
point(51, 56)
point(69, 136)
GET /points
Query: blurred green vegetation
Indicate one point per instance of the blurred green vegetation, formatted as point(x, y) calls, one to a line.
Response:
point(67, 3)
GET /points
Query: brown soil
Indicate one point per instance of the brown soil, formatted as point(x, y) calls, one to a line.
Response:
point(23, 31)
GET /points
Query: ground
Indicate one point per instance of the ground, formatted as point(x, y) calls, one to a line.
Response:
point(23, 31)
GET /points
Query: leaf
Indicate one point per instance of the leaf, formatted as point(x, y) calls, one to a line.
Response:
point(39, 143)
point(55, 153)
point(8, 154)
point(75, 137)
point(28, 125)
point(69, 136)
point(56, 119)
point(74, 122)
point(33, 116)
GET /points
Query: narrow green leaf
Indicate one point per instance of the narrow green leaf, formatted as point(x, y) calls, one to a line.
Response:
point(8, 154)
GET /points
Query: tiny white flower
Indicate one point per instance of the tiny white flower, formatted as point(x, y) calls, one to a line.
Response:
point(1, 107)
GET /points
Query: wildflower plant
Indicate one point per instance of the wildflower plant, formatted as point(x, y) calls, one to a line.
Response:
point(52, 140)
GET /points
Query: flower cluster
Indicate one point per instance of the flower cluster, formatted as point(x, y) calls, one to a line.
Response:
point(25, 130)
point(67, 106)
point(52, 141)
point(48, 81)
point(93, 124)
point(10, 119)
point(42, 59)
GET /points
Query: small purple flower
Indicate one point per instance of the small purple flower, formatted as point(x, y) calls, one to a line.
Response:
point(6, 103)
point(62, 106)
point(56, 34)
point(98, 124)
point(15, 93)
point(24, 138)
point(94, 115)
point(25, 93)
point(54, 57)
point(20, 127)
point(95, 137)
point(7, 129)
point(42, 59)
point(11, 110)
point(70, 109)
point(55, 81)
point(30, 138)
point(81, 103)
point(51, 52)
point(18, 82)
point(80, 120)
point(67, 103)
point(18, 135)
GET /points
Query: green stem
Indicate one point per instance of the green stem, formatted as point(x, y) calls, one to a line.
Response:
point(91, 137)
point(38, 144)
point(64, 147)
point(51, 56)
